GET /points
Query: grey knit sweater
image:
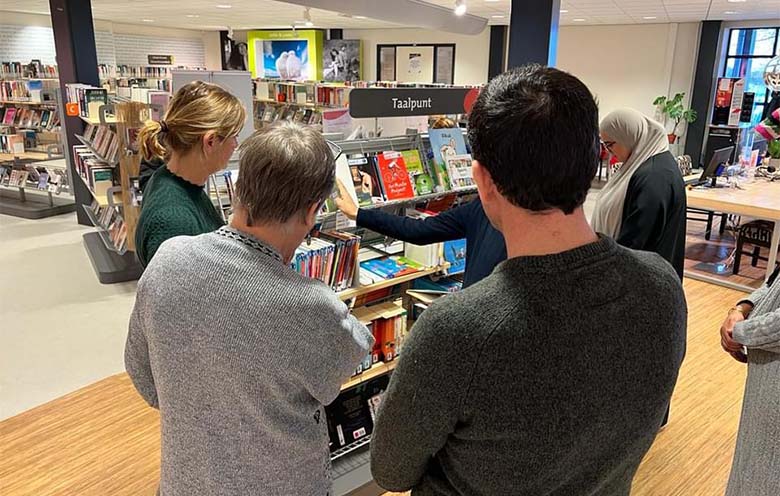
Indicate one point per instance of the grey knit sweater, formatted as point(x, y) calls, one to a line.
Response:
point(756, 467)
point(551, 376)
point(240, 354)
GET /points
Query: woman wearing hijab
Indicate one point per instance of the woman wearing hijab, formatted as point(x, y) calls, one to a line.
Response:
point(643, 205)
point(754, 325)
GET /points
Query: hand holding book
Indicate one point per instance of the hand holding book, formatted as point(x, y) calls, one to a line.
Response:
point(344, 201)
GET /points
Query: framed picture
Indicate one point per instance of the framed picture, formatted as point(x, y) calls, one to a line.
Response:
point(341, 60)
point(420, 63)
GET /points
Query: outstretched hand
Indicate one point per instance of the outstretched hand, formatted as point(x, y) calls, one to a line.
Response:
point(344, 202)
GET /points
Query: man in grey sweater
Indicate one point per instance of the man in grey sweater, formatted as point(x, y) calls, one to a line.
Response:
point(552, 375)
point(237, 350)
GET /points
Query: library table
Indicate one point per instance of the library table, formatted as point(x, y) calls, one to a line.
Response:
point(759, 200)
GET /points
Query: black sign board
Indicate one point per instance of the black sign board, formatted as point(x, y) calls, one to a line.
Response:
point(160, 59)
point(405, 102)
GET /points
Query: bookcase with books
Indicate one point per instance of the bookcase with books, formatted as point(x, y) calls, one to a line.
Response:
point(108, 163)
point(295, 101)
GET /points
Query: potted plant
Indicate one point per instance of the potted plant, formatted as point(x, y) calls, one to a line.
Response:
point(773, 148)
point(673, 108)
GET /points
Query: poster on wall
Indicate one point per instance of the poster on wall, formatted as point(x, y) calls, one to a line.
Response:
point(285, 55)
point(341, 60)
point(414, 64)
point(286, 59)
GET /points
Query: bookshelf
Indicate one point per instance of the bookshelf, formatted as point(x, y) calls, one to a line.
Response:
point(97, 154)
point(364, 290)
point(378, 369)
point(28, 199)
point(111, 246)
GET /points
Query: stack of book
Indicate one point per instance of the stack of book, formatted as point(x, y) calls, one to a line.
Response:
point(333, 96)
point(268, 112)
point(14, 91)
point(96, 173)
point(29, 118)
point(89, 98)
point(11, 143)
point(34, 69)
point(331, 258)
point(387, 176)
point(109, 220)
point(387, 322)
point(104, 141)
point(382, 269)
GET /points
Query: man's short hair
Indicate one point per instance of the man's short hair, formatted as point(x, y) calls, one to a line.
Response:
point(283, 170)
point(536, 130)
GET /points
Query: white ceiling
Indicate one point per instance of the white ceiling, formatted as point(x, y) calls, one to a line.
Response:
point(247, 14)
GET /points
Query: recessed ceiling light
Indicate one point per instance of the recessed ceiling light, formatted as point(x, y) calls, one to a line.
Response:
point(224, 6)
point(564, 11)
point(730, 12)
point(737, 1)
point(497, 16)
point(492, 1)
point(192, 16)
point(147, 20)
point(359, 17)
point(579, 20)
point(649, 18)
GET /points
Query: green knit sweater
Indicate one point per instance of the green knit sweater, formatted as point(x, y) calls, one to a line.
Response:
point(172, 207)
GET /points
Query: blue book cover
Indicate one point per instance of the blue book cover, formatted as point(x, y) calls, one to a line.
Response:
point(445, 143)
point(455, 254)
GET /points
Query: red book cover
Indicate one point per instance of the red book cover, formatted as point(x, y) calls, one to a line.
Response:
point(394, 176)
point(388, 339)
point(377, 329)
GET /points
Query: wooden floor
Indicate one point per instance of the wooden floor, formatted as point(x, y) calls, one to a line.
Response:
point(102, 440)
point(713, 257)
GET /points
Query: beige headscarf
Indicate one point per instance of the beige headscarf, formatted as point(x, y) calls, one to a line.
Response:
point(645, 138)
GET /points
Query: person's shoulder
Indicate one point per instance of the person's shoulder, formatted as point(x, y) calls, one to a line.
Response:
point(647, 267)
point(475, 309)
point(659, 165)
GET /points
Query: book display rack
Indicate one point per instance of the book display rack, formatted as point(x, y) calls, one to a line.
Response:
point(34, 184)
point(108, 165)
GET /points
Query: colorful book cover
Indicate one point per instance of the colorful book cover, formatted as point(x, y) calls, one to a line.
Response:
point(364, 170)
point(10, 115)
point(455, 254)
point(421, 180)
point(459, 171)
point(445, 143)
point(394, 176)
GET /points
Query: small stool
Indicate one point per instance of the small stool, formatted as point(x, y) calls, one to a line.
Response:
point(757, 233)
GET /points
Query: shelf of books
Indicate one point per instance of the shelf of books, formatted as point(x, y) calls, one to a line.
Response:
point(45, 180)
point(108, 166)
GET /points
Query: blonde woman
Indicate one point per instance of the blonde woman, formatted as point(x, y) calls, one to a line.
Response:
point(195, 139)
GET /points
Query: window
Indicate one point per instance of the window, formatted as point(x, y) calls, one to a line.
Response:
point(749, 51)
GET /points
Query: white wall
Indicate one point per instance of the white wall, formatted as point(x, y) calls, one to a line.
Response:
point(471, 52)
point(629, 66)
point(116, 43)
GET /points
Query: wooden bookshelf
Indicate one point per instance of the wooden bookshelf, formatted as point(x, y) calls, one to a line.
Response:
point(378, 369)
point(6, 157)
point(22, 102)
point(363, 290)
point(95, 121)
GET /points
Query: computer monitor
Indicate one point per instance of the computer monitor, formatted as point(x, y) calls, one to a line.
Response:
point(717, 165)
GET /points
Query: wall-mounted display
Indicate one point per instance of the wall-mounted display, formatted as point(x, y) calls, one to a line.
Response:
point(342, 60)
point(419, 63)
point(285, 55)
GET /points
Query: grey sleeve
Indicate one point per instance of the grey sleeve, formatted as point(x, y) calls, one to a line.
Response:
point(137, 358)
point(420, 408)
point(756, 296)
point(761, 332)
point(341, 343)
